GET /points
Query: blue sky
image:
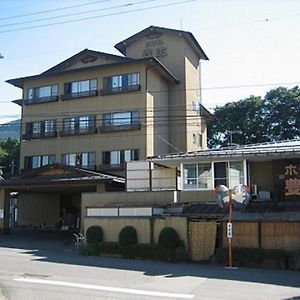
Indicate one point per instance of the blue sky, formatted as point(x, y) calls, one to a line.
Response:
point(253, 45)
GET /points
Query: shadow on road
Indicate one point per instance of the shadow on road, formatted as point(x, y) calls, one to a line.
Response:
point(58, 247)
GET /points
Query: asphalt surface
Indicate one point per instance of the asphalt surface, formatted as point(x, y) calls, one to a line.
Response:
point(43, 265)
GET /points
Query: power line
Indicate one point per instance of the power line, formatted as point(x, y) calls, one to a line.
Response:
point(52, 10)
point(76, 14)
point(208, 88)
point(99, 16)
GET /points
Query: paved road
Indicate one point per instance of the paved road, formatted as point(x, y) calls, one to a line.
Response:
point(39, 266)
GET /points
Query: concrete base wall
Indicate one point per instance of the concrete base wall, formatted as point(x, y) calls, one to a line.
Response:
point(36, 209)
point(148, 229)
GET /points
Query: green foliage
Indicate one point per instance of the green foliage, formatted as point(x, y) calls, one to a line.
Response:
point(141, 251)
point(168, 238)
point(9, 157)
point(254, 257)
point(92, 249)
point(110, 247)
point(128, 236)
point(256, 119)
point(294, 260)
point(94, 234)
point(148, 251)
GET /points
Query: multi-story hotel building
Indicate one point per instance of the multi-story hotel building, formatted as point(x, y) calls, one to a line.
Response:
point(97, 110)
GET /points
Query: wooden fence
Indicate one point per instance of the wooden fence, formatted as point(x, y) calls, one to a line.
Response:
point(265, 235)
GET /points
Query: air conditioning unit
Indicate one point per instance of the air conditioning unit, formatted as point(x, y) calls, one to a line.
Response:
point(254, 189)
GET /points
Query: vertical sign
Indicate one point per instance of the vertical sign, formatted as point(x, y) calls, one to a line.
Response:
point(292, 180)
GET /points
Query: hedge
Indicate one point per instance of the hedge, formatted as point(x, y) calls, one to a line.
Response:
point(254, 257)
point(94, 234)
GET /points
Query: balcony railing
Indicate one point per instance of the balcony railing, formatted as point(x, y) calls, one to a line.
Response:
point(42, 135)
point(124, 127)
point(40, 100)
point(120, 89)
point(78, 131)
point(69, 96)
point(112, 167)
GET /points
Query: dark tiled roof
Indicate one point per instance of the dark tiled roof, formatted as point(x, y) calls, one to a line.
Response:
point(72, 175)
point(203, 209)
point(273, 207)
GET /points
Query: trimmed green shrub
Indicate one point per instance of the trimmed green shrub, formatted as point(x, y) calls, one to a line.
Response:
point(168, 238)
point(294, 260)
point(254, 257)
point(128, 236)
point(148, 251)
point(110, 248)
point(94, 234)
point(92, 249)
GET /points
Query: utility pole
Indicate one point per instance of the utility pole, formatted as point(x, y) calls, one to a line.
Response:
point(1, 172)
point(12, 166)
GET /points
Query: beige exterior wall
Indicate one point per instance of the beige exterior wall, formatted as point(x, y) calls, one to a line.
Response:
point(183, 62)
point(98, 105)
point(158, 114)
point(178, 223)
point(262, 174)
point(34, 209)
point(168, 121)
point(112, 227)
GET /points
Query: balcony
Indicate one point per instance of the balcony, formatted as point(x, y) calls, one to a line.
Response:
point(124, 127)
point(121, 89)
point(42, 135)
point(40, 100)
point(69, 96)
point(78, 131)
point(112, 167)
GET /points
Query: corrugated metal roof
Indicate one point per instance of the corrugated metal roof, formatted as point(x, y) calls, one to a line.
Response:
point(281, 148)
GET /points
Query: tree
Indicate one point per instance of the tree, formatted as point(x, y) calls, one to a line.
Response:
point(9, 157)
point(256, 120)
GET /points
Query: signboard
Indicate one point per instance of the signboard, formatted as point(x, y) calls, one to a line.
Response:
point(155, 46)
point(229, 230)
point(292, 180)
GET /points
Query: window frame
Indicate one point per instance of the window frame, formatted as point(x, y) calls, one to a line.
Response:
point(121, 154)
point(33, 97)
point(41, 131)
point(74, 125)
point(40, 159)
point(90, 157)
point(242, 176)
point(80, 93)
point(127, 82)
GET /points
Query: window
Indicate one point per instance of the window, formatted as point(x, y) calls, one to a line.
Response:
point(86, 159)
point(40, 129)
point(83, 88)
point(197, 139)
point(200, 175)
point(197, 176)
point(121, 83)
point(79, 125)
point(119, 157)
point(33, 162)
point(122, 118)
point(42, 94)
